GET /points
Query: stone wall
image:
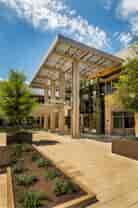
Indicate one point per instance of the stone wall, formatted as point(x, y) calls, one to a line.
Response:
point(108, 115)
point(110, 106)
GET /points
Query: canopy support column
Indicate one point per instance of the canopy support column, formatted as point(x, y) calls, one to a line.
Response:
point(62, 96)
point(52, 121)
point(75, 100)
point(53, 91)
point(61, 120)
point(53, 114)
point(62, 86)
point(46, 122)
point(98, 108)
point(46, 97)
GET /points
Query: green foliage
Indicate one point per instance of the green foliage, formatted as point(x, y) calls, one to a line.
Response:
point(41, 162)
point(16, 102)
point(13, 160)
point(32, 199)
point(17, 168)
point(35, 157)
point(132, 138)
point(47, 162)
point(17, 150)
point(26, 180)
point(62, 187)
point(127, 87)
point(51, 174)
point(26, 148)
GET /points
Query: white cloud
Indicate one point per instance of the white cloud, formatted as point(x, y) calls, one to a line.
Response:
point(128, 7)
point(124, 38)
point(56, 15)
point(128, 10)
point(134, 25)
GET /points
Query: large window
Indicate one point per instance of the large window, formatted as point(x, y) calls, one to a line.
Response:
point(123, 120)
point(118, 120)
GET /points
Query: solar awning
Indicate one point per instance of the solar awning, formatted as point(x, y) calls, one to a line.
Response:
point(92, 62)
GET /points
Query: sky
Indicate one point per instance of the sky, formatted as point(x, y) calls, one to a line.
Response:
point(28, 27)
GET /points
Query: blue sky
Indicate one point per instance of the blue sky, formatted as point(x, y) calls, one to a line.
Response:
point(27, 28)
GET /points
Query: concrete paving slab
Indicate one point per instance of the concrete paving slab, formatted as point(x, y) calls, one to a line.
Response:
point(113, 178)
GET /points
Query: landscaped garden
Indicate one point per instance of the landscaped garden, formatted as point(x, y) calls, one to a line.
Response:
point(36, 180)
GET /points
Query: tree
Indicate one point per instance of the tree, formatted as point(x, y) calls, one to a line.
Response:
point(127, 87)
point(16, 101)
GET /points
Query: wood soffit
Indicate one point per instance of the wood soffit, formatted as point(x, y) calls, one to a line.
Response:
point(63, 52)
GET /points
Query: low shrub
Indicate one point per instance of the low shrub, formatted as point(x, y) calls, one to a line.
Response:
point(41, 162)
point(26, 180)
point(17, 150)
point(17, 168)
point(63, 186)
point(13, 160)
point(32, 199)
point(26, 148)
point(35, 157)
point(51, 174)
point(47, 162)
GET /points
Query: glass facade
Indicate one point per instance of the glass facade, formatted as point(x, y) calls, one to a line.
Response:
point(123, 120)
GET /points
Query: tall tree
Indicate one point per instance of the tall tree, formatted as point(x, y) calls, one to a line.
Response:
point(16, 102)
point(127, 87)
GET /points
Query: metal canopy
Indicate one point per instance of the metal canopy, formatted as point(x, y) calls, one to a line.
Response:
point(64, 51)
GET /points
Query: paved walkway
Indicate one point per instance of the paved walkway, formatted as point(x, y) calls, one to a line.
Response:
point(113, 178)
point(3, 191)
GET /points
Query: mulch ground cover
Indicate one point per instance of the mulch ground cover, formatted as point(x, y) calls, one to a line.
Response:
point(32, 173)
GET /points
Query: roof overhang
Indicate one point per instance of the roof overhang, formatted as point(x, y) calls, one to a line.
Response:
point(92, 62)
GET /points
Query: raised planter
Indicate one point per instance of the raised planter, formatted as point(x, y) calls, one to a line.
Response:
point(4, 157)
point(10, 192)
point(19, 137)
point(125, 148)
point(80, 200)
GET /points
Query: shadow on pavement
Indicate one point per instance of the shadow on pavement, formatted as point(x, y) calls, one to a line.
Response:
point(46, 142)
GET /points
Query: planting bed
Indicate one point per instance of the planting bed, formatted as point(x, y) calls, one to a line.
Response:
point(125, 147)
point(36, 180)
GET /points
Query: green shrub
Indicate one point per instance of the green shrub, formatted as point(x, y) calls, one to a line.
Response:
point(47, 162)
point(17, 150)
point(17, 168)
point(32, 199)
point(26, 148)
point(51, 174)
point(41, 162)
point(35, 157)
point(26, 180)
point(132, 138)
point(62, 187)
point(41, 195)
point(13, 160)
